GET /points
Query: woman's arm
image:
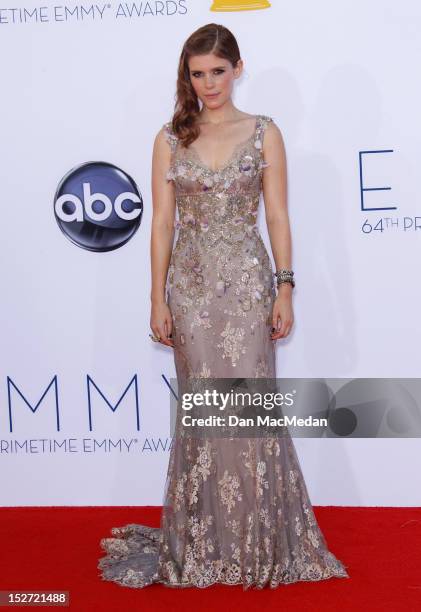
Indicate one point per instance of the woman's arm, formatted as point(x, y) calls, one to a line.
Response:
point(276, 212)
point(162, 237)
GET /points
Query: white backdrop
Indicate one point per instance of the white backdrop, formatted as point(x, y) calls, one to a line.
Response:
point(83, 83)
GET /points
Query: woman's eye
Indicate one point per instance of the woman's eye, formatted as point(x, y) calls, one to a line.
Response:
point(198, 74)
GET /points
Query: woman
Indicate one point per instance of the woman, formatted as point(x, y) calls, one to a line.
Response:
point(236, 510)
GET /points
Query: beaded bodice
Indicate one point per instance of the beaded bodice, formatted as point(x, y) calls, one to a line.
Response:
point(219, 243)
point(226, 197)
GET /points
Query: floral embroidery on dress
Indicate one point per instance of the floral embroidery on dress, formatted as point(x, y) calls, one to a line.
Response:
point(229, 490)
point(233, 338)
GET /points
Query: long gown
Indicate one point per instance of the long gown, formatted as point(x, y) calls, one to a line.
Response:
point(235, 511)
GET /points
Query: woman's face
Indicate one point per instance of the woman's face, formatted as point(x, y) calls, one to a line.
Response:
point(212, 78)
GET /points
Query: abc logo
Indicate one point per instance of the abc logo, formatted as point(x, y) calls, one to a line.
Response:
point(98, 206)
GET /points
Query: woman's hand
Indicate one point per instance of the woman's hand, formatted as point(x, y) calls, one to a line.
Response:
point(282, 315)
point(161, 322)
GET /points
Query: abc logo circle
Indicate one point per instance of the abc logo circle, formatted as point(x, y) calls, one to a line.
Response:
point(98, 206)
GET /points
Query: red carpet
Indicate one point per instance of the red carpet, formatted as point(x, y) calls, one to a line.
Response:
point(58, 548)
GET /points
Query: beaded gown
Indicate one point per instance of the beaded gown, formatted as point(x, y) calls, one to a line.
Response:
point(235, 511)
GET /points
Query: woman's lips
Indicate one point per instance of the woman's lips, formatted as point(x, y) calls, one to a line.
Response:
point(211, 95)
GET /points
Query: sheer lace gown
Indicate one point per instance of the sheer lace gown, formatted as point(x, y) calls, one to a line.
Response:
point(235, 511)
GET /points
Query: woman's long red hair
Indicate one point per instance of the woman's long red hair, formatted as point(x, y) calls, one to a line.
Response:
point(210, 38)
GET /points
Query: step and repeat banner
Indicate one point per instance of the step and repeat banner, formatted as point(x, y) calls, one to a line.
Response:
point(84, 393)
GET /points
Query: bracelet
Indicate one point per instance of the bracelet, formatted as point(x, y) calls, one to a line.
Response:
point(284, 276)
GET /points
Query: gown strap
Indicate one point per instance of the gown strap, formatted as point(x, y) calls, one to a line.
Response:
point(172, 140)
point(262, 122)
point(170, 136)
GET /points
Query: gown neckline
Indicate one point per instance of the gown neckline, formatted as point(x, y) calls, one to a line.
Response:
point(231, 158)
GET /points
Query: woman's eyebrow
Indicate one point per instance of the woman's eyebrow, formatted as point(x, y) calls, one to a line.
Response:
point(214, 68)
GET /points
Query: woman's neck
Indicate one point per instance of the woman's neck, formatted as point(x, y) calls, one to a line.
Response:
point(225, 113)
